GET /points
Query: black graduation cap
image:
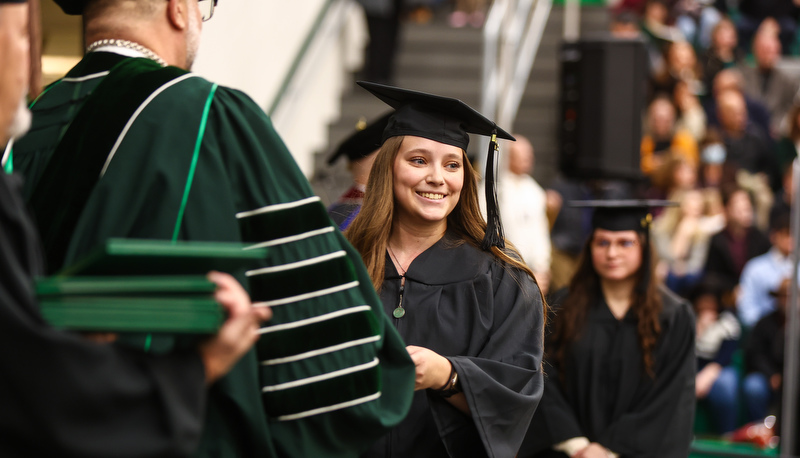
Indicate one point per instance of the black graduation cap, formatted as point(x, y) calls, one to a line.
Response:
point(363, 142)
point(449, 121)
point(622, 214)
point(72, 7)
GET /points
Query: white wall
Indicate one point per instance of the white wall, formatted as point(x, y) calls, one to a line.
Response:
point(251, 45)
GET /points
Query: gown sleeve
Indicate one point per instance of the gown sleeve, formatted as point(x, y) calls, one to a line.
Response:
point(503, 383)
point(64, 396)
point(256, 159)
point(660, 423)
point(554, 421)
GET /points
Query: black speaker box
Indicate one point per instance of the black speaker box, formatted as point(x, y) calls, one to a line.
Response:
point(603, 90)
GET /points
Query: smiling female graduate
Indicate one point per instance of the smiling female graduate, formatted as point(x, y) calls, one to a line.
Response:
point(464, 302)
point(619, 363)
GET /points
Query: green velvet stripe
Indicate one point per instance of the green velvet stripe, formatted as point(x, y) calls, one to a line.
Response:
point(322, 394)
point(302, 280)
point(268, 226)
point(74, 168)
point(316, 336)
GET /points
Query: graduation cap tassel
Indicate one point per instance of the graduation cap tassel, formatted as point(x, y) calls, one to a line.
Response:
point(494, 227)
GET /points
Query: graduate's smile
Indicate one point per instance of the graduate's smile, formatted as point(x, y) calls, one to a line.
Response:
point(427, 180)
point(431, 195)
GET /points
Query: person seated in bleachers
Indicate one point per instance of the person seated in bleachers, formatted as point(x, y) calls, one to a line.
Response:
point(789, 143)
point(691, 116)
point(763, 274)
point(680, 65)
point(718, 333)
point(764, 356)
point(676, 174)
point(766, 82)
point(722, 51)
point(523, 208)
point(681, 235)
point(662, 136)
point(738, 242)
point(731, 79)
point(696, 19)
point(656, 24)
point(746, 144)
point(753, 12)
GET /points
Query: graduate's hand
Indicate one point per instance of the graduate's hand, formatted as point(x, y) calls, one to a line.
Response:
point(433, 369)
point(593, 450)
point(237, 334)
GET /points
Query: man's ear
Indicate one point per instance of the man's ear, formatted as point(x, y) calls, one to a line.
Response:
point(178, 13)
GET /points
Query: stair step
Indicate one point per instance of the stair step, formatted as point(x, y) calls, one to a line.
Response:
point(436, 58)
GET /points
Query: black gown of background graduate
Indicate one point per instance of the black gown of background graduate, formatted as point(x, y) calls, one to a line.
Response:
point(63, 396)
point(487, 320)
point(605, 394)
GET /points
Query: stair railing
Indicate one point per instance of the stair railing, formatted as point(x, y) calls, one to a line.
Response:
point(511, 39)
point(300, 109)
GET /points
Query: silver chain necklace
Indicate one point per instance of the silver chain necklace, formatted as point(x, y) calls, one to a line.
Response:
point(127, 44)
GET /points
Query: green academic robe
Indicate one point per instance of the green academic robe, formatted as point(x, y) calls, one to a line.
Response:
point(165, 154)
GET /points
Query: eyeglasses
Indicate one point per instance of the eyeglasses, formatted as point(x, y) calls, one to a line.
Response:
point(207, 8)
point(622, 244)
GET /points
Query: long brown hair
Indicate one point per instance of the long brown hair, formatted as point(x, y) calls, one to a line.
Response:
point(584, 288)
point(370, 230)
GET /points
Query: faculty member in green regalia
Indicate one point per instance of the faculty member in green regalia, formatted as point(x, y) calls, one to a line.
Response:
point(130, 144)
point(62, 395)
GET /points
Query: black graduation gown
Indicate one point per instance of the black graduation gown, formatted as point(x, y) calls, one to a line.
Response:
point(487, 320)
point(63, 396)
point(606, 396)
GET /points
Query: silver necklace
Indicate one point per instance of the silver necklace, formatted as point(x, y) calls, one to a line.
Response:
point(399, 311)
point(127, 44)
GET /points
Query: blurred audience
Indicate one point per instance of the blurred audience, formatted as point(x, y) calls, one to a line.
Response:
point(675, 175)
point(681, 65)
point(662, 136)
point(722, 51)
point(717, 339)
point(789, 144)
point(681, 236)
point(753, 12)
point(738, 242)
point(468, 12)
point(763, 274)
point(696, 19)
point(731, 79)
point(763, 357)
point(691, 116)
point(767, 83)
point(746, 145)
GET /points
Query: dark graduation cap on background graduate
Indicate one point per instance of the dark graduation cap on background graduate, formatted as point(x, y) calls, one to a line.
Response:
point(622, 214)
point(449, 121)
point(363, 142)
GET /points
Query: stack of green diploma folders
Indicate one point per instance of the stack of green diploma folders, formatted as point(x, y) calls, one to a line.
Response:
point(149, 286)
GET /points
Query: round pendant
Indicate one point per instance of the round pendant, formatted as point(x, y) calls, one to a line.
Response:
point(399, 312)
